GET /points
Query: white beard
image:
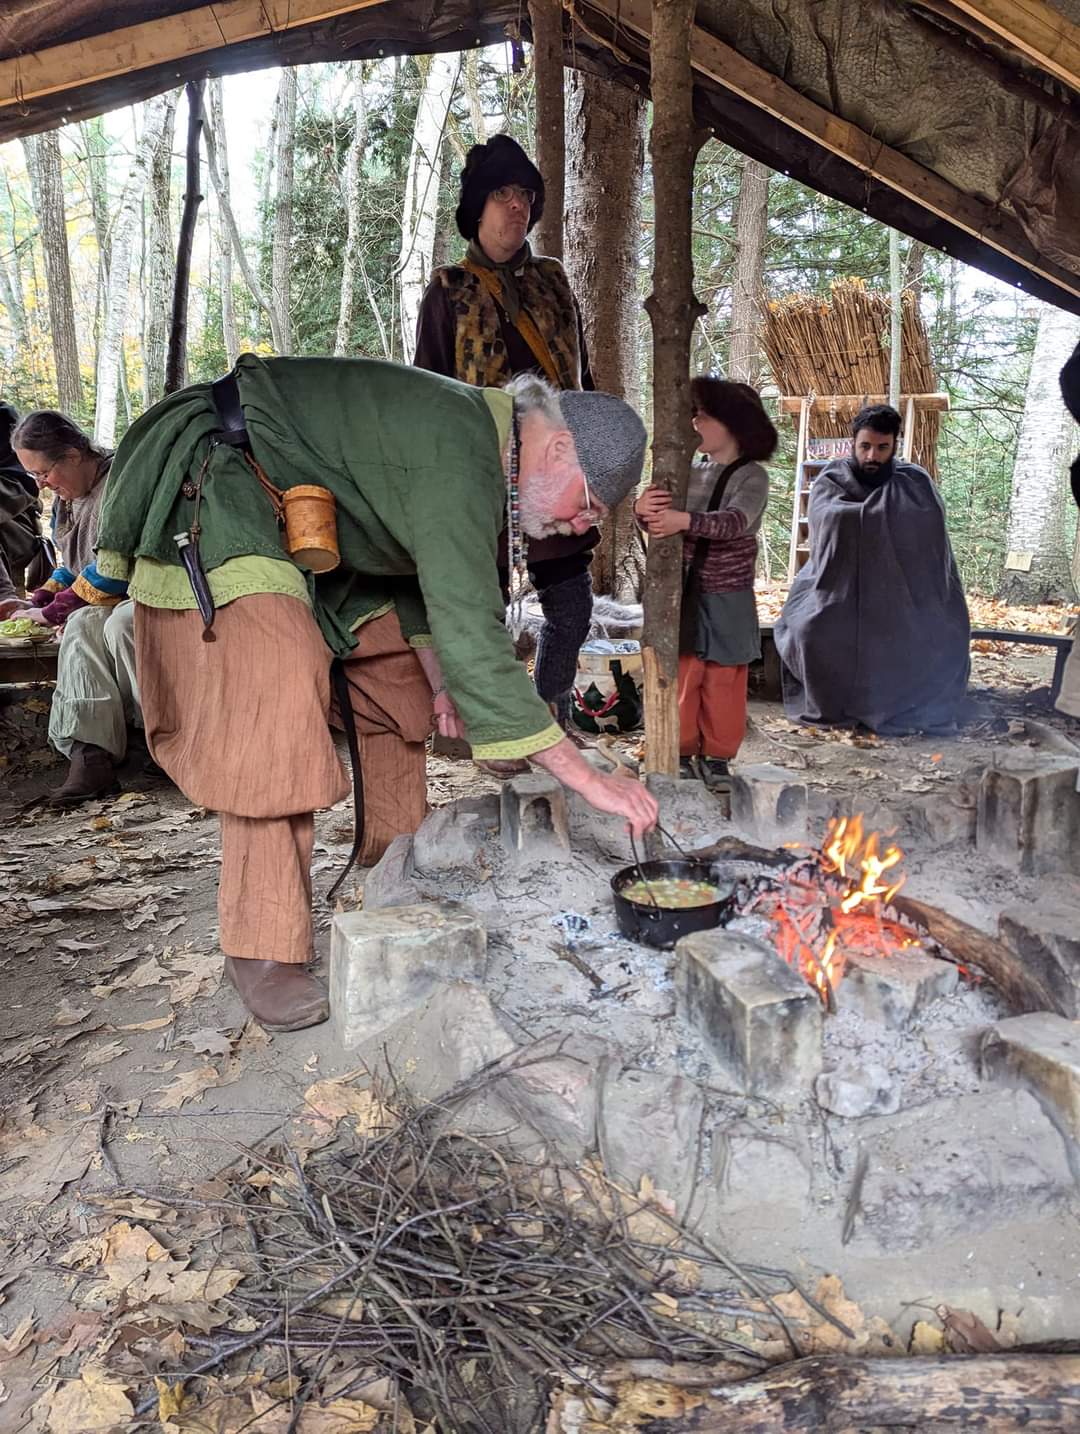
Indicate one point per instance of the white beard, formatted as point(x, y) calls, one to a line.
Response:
point(534, 501)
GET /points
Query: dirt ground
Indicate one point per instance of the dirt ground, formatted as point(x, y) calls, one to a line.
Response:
point(129, 1067)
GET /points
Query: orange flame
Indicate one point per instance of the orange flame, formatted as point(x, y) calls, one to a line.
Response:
point(819, 917)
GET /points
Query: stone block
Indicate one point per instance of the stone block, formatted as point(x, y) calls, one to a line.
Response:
point(692, 814)
point(386, 964)
point(391, 881)
point(944, 818)
point(439, 1046)
point(1045, 934)
point(749, 1166)
point(858, 1091)
point(769, 804)
point(450, 836)
point(755, 1014)
point(533, 815)
point(553, 1086)
point(894, 989)
point(1043, 1051)
point(959, 1166)
point(1028, 817)
point(650, 1124)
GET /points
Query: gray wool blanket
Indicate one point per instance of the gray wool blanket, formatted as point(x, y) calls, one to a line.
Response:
point(876, 629)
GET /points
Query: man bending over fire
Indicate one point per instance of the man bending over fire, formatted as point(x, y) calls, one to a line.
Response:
point(875, 630)
point(236, 696)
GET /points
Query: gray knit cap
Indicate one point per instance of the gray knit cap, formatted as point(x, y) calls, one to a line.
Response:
point(610, 440)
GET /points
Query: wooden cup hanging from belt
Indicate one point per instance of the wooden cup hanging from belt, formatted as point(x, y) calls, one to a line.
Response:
point(308, 514)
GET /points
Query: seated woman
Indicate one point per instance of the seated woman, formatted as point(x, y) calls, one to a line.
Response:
point(718, 630)
point(875, 631)
point(96, 693)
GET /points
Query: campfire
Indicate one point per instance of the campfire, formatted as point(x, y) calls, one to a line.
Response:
point(830, 904)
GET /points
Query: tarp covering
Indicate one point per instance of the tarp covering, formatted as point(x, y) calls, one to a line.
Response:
point(973, 113)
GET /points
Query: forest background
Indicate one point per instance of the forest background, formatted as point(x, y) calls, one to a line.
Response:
point(329, 196)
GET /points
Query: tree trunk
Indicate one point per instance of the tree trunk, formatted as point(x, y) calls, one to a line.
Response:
point(1037, 568)
point(673, 310)
point(834, 1394)
point(228, 306)
point(47, 187)
point(159, 264)
point(97, 148)
point(605, 158)
point(421, 205)
point(281, 258)
point(550, 142)
point(472, 95)
point(250, 277)
point(751, 223)
point(117, 299)
point(351, 182)
point(176, 361)
point(11, 294)
point(915, 268)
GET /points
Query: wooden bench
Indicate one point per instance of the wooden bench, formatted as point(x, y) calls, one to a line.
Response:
point(33, 663)
point(1061, 641)
point(769, 686)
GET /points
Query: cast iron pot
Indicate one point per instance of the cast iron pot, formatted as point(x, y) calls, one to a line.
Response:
point(661, 926)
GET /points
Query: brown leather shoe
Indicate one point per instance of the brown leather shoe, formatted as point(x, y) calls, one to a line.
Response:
point(91, 774)
point(280, 995)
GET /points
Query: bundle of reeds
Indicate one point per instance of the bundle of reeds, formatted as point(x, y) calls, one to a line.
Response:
point(840, 345)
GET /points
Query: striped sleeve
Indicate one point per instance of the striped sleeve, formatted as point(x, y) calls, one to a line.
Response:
point(95, 588)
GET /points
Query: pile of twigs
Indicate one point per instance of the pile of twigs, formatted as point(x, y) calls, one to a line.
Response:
point(472, 1279)
point(840, 345)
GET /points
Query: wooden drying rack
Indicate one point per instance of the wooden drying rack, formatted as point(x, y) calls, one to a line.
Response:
point(807, 469)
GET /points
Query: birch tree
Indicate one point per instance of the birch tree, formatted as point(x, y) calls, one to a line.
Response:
point(1037, 567)
point(157, 291)
point(47, 187)
point(751, 222)
point(154, 114)
point(351, 185)
point(228, 305)
point(420, 208)
point(281, 254)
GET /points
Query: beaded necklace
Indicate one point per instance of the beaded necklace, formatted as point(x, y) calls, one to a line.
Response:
point(517, 542)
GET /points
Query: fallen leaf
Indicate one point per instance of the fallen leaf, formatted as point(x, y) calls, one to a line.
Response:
point(153, 1025)
point(69, 1015)
point(170, 1398)
point(102, 1055)
point(965, 1332)
point(204, 969)
point(326, 1104)
point(91, 1404)
point(19, 1337)
point(207, 1042)
point(48, 1164)
point(188, 1085)
point(71, 944)
point(146, 973)
point(111, 898)
point(926, 1339)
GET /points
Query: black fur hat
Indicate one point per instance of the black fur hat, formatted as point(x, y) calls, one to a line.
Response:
point(489, 166)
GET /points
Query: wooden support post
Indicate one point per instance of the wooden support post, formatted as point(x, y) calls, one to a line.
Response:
point(550, 140)
point(177, 352)
point(673, 310)
point(909, 430)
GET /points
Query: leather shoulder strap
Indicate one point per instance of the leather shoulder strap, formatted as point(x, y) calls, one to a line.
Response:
point(225, 393)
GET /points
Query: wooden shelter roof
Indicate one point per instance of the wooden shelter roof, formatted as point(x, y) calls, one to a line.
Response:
point(957, 121)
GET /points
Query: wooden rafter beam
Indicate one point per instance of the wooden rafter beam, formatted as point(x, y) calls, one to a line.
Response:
point(825, 403)
point(1039, 32)
point(158, 42)
point(726, 67)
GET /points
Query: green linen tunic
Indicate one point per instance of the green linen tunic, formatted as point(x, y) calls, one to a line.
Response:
point(414, 461)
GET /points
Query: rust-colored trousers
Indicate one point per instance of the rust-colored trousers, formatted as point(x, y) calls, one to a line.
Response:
point(242, 726)
point(712, 708)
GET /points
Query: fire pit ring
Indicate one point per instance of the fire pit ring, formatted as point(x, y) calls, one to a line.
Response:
point(661, 926)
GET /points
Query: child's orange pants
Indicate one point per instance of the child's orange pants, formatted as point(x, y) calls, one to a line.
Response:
point(712, 707)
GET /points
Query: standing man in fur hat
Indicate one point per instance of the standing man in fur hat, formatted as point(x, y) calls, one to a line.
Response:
point(501, 312)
